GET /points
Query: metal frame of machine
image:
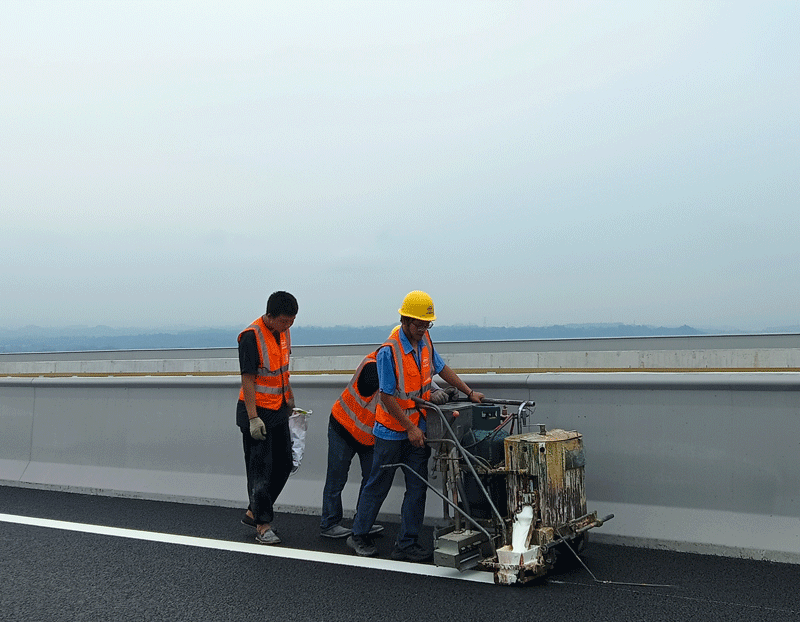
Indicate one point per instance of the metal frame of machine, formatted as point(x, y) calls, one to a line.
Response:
point(512, 510)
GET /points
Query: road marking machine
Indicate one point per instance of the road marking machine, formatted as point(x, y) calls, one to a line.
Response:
point(513, 493)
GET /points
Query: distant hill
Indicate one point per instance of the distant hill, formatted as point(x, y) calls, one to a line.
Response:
point(313, 335)
point(85, 338)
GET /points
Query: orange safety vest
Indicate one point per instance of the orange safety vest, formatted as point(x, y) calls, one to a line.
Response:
point(272, 379)
point(354, 411)
point(412, 380)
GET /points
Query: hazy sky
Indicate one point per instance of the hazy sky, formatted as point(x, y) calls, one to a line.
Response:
point(537, 163)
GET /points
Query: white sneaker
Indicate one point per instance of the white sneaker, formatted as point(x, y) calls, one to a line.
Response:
point(268, 537)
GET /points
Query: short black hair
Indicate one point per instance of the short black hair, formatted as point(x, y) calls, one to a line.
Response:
point(282, 303)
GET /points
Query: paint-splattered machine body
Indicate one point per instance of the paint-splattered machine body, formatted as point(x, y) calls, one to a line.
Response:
point(513, 501)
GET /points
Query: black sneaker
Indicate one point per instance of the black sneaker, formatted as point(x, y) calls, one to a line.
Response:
point(362, 545)
point(336, 532)
point(413, 553)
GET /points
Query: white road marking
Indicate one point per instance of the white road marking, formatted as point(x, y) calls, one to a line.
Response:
point(256, 549)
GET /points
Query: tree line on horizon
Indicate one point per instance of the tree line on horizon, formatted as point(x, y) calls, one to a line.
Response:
point(78, 339)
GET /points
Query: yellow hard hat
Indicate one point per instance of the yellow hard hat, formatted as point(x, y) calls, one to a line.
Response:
point(418, 305)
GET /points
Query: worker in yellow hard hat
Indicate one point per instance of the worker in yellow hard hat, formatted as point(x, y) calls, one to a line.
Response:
point(407, 362)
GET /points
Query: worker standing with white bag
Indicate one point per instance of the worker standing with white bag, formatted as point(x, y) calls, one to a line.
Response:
point(262, 412)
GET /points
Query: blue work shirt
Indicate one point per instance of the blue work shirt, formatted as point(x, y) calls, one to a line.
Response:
point(387, 380)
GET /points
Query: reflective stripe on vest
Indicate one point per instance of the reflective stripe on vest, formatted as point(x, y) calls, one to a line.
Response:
point(354, 411)
point(412, 380)
point(272, 379)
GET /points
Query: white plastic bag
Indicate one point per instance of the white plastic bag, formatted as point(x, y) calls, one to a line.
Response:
point(298, 424)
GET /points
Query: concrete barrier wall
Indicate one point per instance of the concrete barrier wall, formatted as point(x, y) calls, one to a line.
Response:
point(703, 462)
point(151, 437)
point(699, 462)
point(699, 352)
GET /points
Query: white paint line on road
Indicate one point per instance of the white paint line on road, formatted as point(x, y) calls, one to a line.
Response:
point(256, 549)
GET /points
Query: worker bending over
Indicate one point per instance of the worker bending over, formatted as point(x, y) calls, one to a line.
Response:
point(349, 433)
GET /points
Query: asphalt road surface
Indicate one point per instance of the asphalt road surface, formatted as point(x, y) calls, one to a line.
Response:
point(67, 556)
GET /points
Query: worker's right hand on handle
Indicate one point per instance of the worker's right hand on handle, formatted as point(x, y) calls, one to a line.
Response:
point(257, 429)
point(416, 437)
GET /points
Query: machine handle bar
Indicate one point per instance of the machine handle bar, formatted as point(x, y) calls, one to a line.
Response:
point(491, 400)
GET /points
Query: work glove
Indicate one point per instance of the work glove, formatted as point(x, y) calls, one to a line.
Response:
point(439, 397)
point(257, 429)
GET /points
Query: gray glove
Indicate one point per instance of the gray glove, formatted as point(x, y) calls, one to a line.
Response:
point(439, 397)
point(257, 429)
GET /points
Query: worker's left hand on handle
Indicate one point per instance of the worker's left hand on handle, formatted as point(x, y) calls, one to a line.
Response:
point(476, 396)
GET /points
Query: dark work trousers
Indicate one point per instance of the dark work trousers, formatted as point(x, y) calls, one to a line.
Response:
point(268, 464)
point(379, 483)
point(342, 447)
